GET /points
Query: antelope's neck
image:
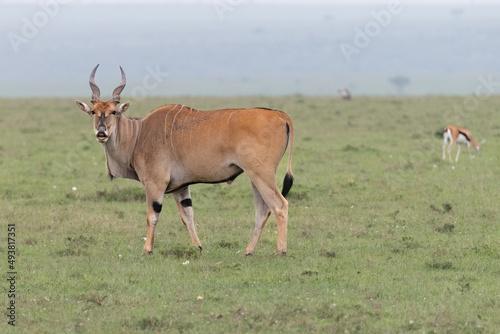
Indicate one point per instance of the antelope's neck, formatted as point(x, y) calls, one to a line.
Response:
point(120, 148)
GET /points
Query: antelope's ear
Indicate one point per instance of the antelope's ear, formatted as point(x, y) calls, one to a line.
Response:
point(123, 107)
point(83, 106)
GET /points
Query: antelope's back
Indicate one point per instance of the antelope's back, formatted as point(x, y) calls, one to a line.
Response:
point(219, 135)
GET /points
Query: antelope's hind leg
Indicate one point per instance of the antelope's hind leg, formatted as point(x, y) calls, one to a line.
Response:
point(445, 142)
point(450, 147)
point(262, 213)
point(275, 201)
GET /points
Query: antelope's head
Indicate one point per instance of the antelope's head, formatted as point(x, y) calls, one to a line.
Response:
point(478, 146)
point(104, 114)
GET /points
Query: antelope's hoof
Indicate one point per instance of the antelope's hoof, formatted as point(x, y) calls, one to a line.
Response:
point(200, 248)
point(147, 253)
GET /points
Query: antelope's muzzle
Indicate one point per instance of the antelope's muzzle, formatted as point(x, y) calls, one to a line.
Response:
point(101, 134)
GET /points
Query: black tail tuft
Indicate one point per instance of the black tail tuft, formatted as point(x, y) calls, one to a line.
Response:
point(287, 184)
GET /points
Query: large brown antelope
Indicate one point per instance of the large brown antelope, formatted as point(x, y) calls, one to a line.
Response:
point(175, 146)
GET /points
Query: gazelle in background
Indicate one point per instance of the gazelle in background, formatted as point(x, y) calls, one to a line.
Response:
point(453, 135)
point(344, 93)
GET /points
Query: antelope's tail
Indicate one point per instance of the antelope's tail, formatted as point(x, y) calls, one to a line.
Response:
point(288, 181)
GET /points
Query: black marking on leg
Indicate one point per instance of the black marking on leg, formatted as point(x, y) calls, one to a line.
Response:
point(157, 207)
point(200, 248)
point(186, 202)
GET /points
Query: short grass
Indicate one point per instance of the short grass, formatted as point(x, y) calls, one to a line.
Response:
point(384, 236)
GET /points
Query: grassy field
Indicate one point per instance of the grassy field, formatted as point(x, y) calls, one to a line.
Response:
point(384, 236)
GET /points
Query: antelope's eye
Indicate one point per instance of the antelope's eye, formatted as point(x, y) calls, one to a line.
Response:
point(92, 112)
point(114, 112)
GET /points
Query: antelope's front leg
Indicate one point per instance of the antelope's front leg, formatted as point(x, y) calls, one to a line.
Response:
point(468, 148)
point(154, 199)
point(184, 203)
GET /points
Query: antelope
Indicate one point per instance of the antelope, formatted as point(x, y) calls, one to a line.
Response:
point(175, 146)
point(344, 93)
point(456, 135)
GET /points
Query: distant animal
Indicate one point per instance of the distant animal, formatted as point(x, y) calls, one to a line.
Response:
point(175, 146)
point(453, 135)
point(344, 93)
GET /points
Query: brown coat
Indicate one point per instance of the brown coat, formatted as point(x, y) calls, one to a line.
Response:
point(175, 146)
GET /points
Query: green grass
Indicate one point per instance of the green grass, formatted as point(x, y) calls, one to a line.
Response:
point(384, 236)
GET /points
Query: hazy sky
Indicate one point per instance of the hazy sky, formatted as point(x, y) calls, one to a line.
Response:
point(404, 2)
point(449, 47)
